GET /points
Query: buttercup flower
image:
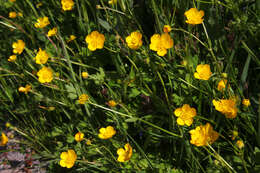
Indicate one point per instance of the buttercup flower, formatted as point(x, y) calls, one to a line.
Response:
point(67, 4)
point(84, 75)
point(52, 32)
point(246, 102)
point(72, 37)
point(112, 1)
point(203, 72)
point(95, 40)
point(160, 43)
point(41, 57)
point(222, 84)
point(4, 139)
point(194, 16)
point(68, 158)
point(226, 107)
point(45, 75)
point(203, 135)
point(111, 103)
point(7, 125)
point(83, 98)
point(42, 22)
point(167, 28)
point(134, 40)
point(185, 115)
point(234, 134)
point(12, 58)
point(106, 133)
point(25, 89)
point(12, 14)
point(12, 0)
point(240, 144)
point(124, 154)
point(18, 47)
point(79, 136)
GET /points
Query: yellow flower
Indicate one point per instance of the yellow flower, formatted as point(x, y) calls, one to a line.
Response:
point(88, 142)
point(79, 136)
point(124, 154)
point(194, 16)
point(18, 47)
point(167, 28)
point(84, 75)
point(7, 125)
point(45, 75)
point(112, 1)
point(226, 107)
point(224, 75)
point(12, 14)
point(25, 89)
point(68, 158)
point(12, 58)
point(185, 115)
point(246, 102)
point(203, 135)
point(52, 32)
point(203, 72)
point(160, 43)
point(42, 22)
point(234, 134)
point(67, 4)
point(12, 0)
point(106, 133)
point(41, 57)
point(111, 103)
point(222, 84)
point(95, 40)
point(20, 14)
point(72, 37)
point(240, 144)
point(83, 98)
point(4, 140)
point(134, 40)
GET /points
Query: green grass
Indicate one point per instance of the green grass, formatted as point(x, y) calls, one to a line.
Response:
point(147, 87)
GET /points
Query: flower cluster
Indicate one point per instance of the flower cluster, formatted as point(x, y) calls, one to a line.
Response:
point(67, 4)
point(134, 40)
point(41, 57)
point(226, 107)
point(185, 115)
point(95, 40)
point(42, 22)
point(106, 133)
point(203, 135)
point(68, 158)
point(160, 43)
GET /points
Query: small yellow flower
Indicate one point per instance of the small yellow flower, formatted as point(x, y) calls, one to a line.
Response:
point(45, 75)
point(111, 103)
point(112, 1)
point(18, 47)
point(88, 142)
point(203, 72)
point(134, 40)
point(42, 22)
point(203, 135)
point(39, 5)
point(25, 89)
point(41, 57)
point(12, 58)
point(84, 75)
point(226, 107)
point(79, 136)
point(194, 16)
point(67, 4)
point(234, 134)
point(12, 14)
point(160, 43)
point(167, 28)
point(246, 102)
point(7, 125)
point(106, 133)
point(52, 32)
point(240, 144)
point(185, 115)
point(224, 75)
point(72, 37)
point(4, 140)
point(68, 158)
point(124, 154)
point(12, 0)
point(222, 85)
point(20, 14)
point(83, 99)
point(95, 40)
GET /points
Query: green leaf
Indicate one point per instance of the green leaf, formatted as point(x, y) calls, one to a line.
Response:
point(104, 24)
point(134, 92)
